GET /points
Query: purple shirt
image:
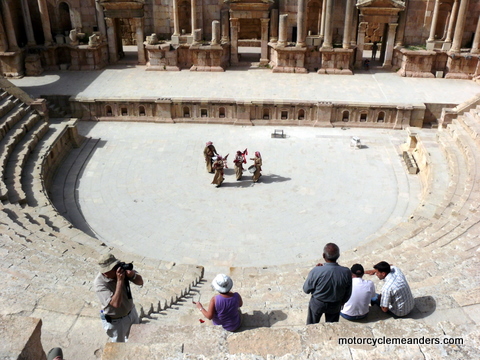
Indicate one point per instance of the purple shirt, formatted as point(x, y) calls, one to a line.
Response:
point(226, 312)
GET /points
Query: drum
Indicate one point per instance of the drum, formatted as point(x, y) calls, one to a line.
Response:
point(252, 169)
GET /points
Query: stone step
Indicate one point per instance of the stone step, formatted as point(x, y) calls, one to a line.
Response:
point(458, 174)
point(64, 185)
point(321, 340)
point(15, 115)
point(18, 158)
point(3, 95)
point(7, 104)
point(471, 123)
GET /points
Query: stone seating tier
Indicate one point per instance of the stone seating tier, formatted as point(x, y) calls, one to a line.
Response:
point(43, 253)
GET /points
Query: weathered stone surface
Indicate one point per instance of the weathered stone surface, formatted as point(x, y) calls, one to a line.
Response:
point(259, 342)
point(114, 351)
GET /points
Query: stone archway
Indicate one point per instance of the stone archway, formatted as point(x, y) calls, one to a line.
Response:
point(385, 12)
point(314, 15)
point(114, 10)
point(249, 17)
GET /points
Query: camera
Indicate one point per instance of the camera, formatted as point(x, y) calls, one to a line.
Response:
point(125, 266)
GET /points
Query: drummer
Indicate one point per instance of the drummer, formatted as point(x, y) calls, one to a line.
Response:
point(257, 163)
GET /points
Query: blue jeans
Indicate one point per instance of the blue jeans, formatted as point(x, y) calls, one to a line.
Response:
point(353, 318)
point(376, 301)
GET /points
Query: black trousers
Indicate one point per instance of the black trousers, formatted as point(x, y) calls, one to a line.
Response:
point(317, 308)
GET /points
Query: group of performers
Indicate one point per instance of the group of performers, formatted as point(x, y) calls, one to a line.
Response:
point(216, 163)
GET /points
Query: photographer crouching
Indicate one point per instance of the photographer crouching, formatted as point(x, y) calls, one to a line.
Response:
point(112, 286)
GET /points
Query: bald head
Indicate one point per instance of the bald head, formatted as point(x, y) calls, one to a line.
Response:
point(331, 252)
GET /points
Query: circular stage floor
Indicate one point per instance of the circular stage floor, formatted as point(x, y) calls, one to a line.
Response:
point(145, 189)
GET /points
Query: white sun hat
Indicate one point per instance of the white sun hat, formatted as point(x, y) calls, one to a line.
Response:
point(222, 283)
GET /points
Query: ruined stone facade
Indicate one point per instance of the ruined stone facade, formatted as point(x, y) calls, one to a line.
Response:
point(416, 37)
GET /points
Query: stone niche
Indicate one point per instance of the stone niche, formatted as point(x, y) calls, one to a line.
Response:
point(336, 61)
point(417, 63)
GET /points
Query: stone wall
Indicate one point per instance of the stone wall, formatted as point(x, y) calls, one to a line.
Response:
point(285, 113)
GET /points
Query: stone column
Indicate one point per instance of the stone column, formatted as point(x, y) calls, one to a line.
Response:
point(47, 30)
point(140, 37)
point(264, 43)
point(112, 40)
point(402, 22)
point(194, 15)
point(9, 28)
point(476, 39)
point(282, 36)
point(353, 30)
point(274, 25)
point(234, 27)
point(215, 32)
point(362, 28)
point(101, 19)
point(197, 36)
point(392, 29)
point(348, 24)
point(383, 49)
point(451, 22)
point(301, 23)
point(27, 21)
point(433, 25)
point(225, 19)
point(3, 37)
point(327, 43)
point(176, 24)
point(457, 37)
point(322, 19)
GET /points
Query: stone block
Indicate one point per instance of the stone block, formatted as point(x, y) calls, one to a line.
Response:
point(21, 338)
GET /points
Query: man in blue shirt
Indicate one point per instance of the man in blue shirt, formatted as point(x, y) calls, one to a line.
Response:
point(330, 285)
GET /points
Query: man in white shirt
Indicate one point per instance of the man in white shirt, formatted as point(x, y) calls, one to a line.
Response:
point(357, 306)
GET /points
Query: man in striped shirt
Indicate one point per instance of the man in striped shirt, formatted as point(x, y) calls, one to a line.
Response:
point(396, 297)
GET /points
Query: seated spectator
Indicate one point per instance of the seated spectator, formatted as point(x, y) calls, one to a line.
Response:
point(396, 297)
point(55, 354)
point(363, 291)
point(224, 308)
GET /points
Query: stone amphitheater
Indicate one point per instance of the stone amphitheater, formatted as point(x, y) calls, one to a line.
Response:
point(49, 264)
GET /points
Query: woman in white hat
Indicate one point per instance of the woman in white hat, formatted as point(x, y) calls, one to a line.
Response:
point(224, 308)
